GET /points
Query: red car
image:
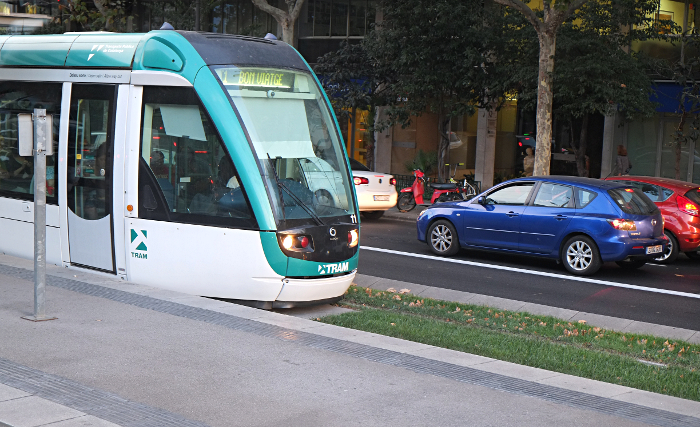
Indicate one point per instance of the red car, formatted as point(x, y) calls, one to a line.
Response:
point(679, 203)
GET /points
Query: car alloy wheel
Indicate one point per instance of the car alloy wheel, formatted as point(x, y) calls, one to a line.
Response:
point(671, 252)
point(442, 238)
point(580, 255)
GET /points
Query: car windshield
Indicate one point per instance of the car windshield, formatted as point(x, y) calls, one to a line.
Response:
point(633, 201)
point(295, 139)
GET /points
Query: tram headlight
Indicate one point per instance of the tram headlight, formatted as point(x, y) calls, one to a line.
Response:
point(296, 243)
point(353, 238)
point(288, 242)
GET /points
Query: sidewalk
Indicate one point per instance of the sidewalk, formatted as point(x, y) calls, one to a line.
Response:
point(128, 355)
point(411, 215)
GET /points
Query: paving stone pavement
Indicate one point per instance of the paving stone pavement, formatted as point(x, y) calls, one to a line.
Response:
point(130, 355)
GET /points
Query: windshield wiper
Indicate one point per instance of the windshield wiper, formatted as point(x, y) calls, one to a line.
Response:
point(283, 186)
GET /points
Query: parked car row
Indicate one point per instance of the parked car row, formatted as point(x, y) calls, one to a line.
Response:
point(581, 222)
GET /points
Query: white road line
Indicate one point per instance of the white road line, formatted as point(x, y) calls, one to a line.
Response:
point(535, 273)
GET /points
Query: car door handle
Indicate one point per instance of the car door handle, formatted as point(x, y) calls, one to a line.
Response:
point(512, 214)
point(560, 217)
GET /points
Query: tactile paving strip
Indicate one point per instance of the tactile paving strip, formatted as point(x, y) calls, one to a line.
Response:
point(419, 364)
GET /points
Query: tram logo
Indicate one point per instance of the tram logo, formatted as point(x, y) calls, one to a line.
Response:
point(138, 244)
point(332, 268)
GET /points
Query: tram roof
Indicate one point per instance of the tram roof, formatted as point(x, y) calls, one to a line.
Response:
point(161, 49)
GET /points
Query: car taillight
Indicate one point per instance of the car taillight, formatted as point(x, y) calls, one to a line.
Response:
point(622, 224)
point(687, 206)
point(392, 181)
point(360, 180)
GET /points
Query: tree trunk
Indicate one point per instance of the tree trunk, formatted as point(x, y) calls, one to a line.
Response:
point(678, 143)
point(581, 164)
point(369, 154)
point(444, 146)
point(285, 19)
point(288, 31)
point(543, 151)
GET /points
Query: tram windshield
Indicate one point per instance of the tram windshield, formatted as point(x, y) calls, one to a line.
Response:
point(294, 136)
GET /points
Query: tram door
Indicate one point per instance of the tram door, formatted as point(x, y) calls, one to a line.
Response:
point(89, 177)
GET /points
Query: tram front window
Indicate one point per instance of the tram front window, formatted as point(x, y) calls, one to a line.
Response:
point(185, 172)
point(294, 136)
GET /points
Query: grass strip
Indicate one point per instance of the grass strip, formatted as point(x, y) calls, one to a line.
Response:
point(639, 361)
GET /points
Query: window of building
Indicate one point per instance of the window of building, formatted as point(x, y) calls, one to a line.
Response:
point(185, 173)
point(17, 172)
point(337, 18)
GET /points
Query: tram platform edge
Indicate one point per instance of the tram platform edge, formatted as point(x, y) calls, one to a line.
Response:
point(122, 354)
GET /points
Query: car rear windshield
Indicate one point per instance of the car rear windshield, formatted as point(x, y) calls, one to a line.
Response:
point(693, 195)
point(357, 166)
point(632, 201)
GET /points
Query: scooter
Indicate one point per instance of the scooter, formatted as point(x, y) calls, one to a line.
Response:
point(413, 195)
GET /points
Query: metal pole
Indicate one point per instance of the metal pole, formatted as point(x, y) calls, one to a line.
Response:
point(196, 15)
point(40, 141)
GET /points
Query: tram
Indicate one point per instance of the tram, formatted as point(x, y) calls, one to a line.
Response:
point(208, 164)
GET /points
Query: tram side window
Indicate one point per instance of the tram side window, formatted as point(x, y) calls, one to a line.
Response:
point(186, 175)
point(17, 172)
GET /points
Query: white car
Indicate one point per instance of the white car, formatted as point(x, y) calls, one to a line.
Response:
point(376, 192)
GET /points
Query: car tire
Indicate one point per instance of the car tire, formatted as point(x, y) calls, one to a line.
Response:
point(671, 252)
point(580, 256)
point(631, 264)
point(693, 254)
point(442, 238)
point(372, 215)
point(406, 202)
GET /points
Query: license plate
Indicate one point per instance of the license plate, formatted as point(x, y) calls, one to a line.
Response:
point(654, 249)
point(381, 198)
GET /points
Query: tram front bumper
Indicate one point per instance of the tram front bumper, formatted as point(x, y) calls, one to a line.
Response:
point(299, 292)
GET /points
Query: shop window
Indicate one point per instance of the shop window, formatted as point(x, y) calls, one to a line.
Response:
point(17, 172)
point(185, 173)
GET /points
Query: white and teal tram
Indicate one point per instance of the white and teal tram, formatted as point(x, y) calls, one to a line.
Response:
point(209, 164)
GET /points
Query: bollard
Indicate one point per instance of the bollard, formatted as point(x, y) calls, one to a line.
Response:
point(42, 144)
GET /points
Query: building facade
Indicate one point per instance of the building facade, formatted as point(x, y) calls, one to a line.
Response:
point(489, 144)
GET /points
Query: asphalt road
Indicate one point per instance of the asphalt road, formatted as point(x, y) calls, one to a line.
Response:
point(668, 295)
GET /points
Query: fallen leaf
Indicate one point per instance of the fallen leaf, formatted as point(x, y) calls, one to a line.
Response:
point(404, 291)
point(582, 322)
point(392, 290)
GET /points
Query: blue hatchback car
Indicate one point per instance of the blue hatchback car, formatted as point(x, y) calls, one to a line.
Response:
point(581, 222)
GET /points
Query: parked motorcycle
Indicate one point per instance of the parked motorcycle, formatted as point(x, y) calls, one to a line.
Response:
point(411, 196)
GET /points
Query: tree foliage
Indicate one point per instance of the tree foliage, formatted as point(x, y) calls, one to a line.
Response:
point(352, 81)
point(685, 72)
point(101, 15)
point(595, 72)
point(433, 62)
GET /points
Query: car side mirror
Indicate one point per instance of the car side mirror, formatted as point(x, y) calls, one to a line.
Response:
point(481, 200)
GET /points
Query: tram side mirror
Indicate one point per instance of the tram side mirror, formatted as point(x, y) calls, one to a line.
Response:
point(25, 127)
